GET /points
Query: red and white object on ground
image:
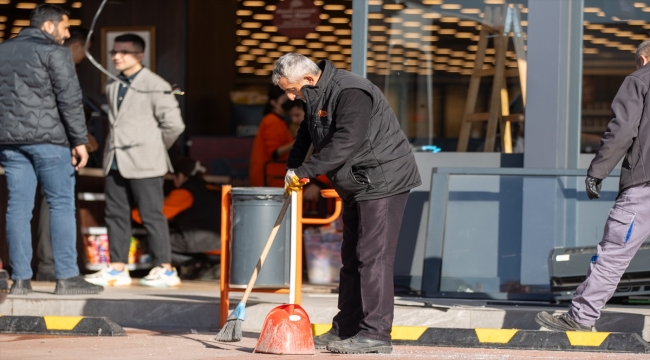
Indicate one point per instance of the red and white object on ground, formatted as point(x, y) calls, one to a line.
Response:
point(286, 331)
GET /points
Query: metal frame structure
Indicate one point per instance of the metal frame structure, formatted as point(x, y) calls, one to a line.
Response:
point(436, 227)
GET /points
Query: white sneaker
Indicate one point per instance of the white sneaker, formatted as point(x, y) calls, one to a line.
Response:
point(161, 277)
point(110, 277)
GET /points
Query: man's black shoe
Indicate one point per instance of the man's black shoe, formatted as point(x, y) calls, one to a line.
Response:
point(321, 341)
point(76, 286)
point(360, 345)
point(560, 322)
point(21, 287)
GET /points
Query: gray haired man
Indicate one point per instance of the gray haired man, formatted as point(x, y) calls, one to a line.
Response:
point(362, 150)
point(628, 224)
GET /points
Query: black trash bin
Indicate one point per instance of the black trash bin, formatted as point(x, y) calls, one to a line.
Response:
point(254, 212)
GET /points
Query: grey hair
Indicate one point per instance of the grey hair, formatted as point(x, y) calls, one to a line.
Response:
point(643, 49)
point(293, 66)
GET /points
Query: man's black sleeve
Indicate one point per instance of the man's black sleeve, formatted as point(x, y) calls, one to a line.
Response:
point(627, 109)
point(348, 131)
point(68, 95)
point(300, 146)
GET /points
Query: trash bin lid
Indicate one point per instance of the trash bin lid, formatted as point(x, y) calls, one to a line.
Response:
point(257, 191)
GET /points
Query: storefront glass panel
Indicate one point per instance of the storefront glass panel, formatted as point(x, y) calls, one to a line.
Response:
point(492, 243)
point(613, 29)
point(422, 55)
point(267, 30)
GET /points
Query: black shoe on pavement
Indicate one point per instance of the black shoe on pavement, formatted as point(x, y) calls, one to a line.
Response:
point(45, 276)
point(360, 345)
point(76, 286)
point(321, 341)
point(560, 322)
point(21, 287)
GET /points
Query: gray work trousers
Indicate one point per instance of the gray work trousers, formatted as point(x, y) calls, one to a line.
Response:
point(627, 227)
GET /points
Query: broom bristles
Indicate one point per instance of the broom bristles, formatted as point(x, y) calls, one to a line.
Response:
point(231, 332)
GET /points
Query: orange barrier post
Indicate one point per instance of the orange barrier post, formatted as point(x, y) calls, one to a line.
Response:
point(225, 252)
point(225, 248)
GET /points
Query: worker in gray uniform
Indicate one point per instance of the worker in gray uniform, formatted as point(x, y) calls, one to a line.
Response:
point(628, 223)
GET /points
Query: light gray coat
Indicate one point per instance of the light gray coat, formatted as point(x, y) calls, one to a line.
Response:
point(141, 131)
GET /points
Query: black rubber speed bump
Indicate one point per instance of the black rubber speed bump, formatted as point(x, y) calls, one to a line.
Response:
point(531, 340)
point(60, 325)
point(513, 339)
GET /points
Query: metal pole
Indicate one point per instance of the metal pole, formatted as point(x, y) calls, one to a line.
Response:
point(292, 267)
point(574, 74)
point(359, 36)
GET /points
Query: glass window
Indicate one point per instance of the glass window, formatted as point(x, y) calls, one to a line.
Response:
point(506, 231)
point(422, 55)
point(267, 30)
point(613, 29)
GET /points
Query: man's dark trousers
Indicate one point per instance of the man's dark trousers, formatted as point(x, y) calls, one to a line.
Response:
point(147, 195)
point(366, 295)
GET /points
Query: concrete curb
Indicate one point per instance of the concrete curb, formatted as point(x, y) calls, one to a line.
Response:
point(514, 339)
point(60, 325)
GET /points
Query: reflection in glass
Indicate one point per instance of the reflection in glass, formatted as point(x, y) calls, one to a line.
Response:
point(613, 29)
point(422, 54)
point(495, 243)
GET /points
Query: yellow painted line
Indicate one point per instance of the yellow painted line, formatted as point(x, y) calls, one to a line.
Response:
point(407, 332)
point(320, 329)
point(61, 322)
point(498, 336)
point(398, 332)
point(579, 338)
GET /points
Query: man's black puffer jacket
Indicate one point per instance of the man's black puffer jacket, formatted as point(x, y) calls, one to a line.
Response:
point(40, 96)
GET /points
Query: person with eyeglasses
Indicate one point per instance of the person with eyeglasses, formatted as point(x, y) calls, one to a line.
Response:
point(144, 122)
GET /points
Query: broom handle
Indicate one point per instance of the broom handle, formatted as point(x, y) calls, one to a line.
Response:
point(269, 241)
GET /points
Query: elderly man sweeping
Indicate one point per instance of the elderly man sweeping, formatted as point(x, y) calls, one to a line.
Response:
point(362, 150)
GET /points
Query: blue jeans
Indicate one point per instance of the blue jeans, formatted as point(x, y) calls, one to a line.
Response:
point(24, 166)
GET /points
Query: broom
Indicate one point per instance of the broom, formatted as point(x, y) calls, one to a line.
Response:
point(231, 332)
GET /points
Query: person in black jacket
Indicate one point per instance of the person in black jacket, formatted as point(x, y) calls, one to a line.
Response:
point(628, 224)
point(42, 138)
point(361, 148)
point(45, 269)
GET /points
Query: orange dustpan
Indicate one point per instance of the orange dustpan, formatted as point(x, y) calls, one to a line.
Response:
point(286, 331)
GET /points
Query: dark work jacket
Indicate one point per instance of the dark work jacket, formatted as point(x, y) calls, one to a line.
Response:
point(205, 212)
point(40, 97)
point(628, 133)
point(372, 165)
